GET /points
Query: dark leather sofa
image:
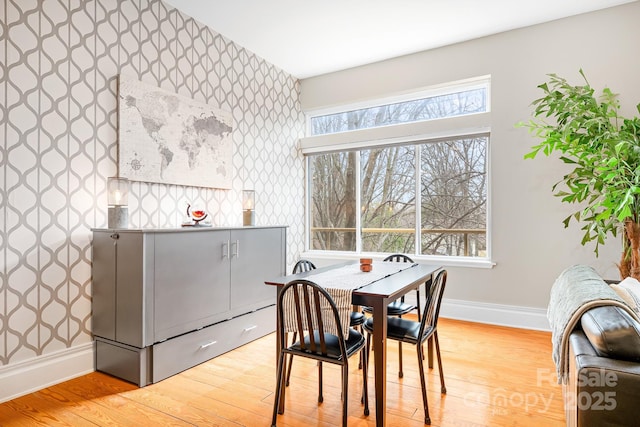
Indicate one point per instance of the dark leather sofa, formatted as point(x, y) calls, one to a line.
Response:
point(603, 388)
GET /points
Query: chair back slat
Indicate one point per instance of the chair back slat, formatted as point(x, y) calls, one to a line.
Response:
point(434, 300)
point(296, 299)
point(310, 319)
point(320, 322)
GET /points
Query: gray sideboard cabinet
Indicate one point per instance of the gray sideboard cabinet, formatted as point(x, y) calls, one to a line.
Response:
point(165, 300)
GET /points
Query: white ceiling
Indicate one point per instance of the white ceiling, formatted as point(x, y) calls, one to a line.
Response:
point(312, 37)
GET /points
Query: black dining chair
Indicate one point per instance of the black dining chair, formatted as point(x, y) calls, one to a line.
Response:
point(302, 303)
point(399, 308)
point(357, 319)
point(416, 333)
point(302, 266)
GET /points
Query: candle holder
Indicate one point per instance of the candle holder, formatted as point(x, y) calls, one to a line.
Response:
point(118, 201)
point(248, 207)
point(365, 265)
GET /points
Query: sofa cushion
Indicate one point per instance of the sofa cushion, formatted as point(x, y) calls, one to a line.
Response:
point(629, 291)
point(612, 332)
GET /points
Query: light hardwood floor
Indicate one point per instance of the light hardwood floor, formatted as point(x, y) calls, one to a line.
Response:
point(495, 376)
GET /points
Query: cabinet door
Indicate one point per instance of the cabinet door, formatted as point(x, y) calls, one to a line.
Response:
point(119, 287)
point(191, 281)
point(104, 285)
point(257, 254)
point(133, 281)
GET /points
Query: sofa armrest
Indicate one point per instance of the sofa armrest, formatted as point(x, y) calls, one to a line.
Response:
point(612, 332)
point(601, 391)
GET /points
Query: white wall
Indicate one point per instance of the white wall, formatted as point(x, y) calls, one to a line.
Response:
point(529, 243)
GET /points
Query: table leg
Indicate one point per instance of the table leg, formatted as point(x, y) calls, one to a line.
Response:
point(380, 359)
point(278, 349)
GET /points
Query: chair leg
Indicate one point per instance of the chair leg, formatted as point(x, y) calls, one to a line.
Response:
point(400, 374)
point(345, 394)
point(368, 345)
point(423, 385)
point(289, 370)
point(365, 369)
point(443, 389)
point(320, 396)
point(360, 356)
point(278, 389)
point(293, 339)
point(365, 385)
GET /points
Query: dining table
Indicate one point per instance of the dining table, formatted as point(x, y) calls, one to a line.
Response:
point(377, 295)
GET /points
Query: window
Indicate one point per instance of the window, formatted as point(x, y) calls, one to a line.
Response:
point(453, 104)
point(420, 194)
point(334, 202)
point(388, 195)
point(454, 197)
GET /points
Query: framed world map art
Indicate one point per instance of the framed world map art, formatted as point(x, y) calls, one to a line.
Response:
point(167, 138)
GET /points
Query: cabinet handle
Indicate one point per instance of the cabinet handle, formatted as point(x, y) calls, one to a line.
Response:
point(225, 250)
point(250, 328)
point(236, 245)
point(209, 344)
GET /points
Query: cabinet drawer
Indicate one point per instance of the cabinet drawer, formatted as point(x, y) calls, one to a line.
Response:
point(183, 352)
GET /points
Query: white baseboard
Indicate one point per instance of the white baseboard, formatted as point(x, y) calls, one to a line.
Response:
point(496, 314)
point(40, 372)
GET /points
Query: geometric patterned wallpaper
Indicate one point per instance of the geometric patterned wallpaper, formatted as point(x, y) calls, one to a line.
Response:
point(59, 63)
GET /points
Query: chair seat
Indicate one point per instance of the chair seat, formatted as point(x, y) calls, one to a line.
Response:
point(357, 319)
point(396, 308)
point(354, 343)
point(400, 329)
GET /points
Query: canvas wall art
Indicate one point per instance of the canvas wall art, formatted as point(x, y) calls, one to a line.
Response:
point(167, 138)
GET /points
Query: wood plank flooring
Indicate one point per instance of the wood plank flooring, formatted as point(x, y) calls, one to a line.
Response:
point(495, 376)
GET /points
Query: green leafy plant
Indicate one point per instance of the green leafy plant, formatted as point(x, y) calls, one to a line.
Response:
point(603, 148)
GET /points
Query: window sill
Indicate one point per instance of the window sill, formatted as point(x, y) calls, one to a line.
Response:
point(445, 261)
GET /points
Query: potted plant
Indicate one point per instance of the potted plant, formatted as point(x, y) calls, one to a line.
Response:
point(603, 148)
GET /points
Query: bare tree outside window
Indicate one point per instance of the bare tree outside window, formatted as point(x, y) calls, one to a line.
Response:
point(333, 202)
point(454, 197)
point(436, 107)
point(387, 191)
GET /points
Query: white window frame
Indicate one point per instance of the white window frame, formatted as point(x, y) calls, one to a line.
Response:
point(481, 82)
point(462, 126)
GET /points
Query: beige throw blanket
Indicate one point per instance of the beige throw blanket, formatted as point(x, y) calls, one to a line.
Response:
point(342, 298)
point(577, 289)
